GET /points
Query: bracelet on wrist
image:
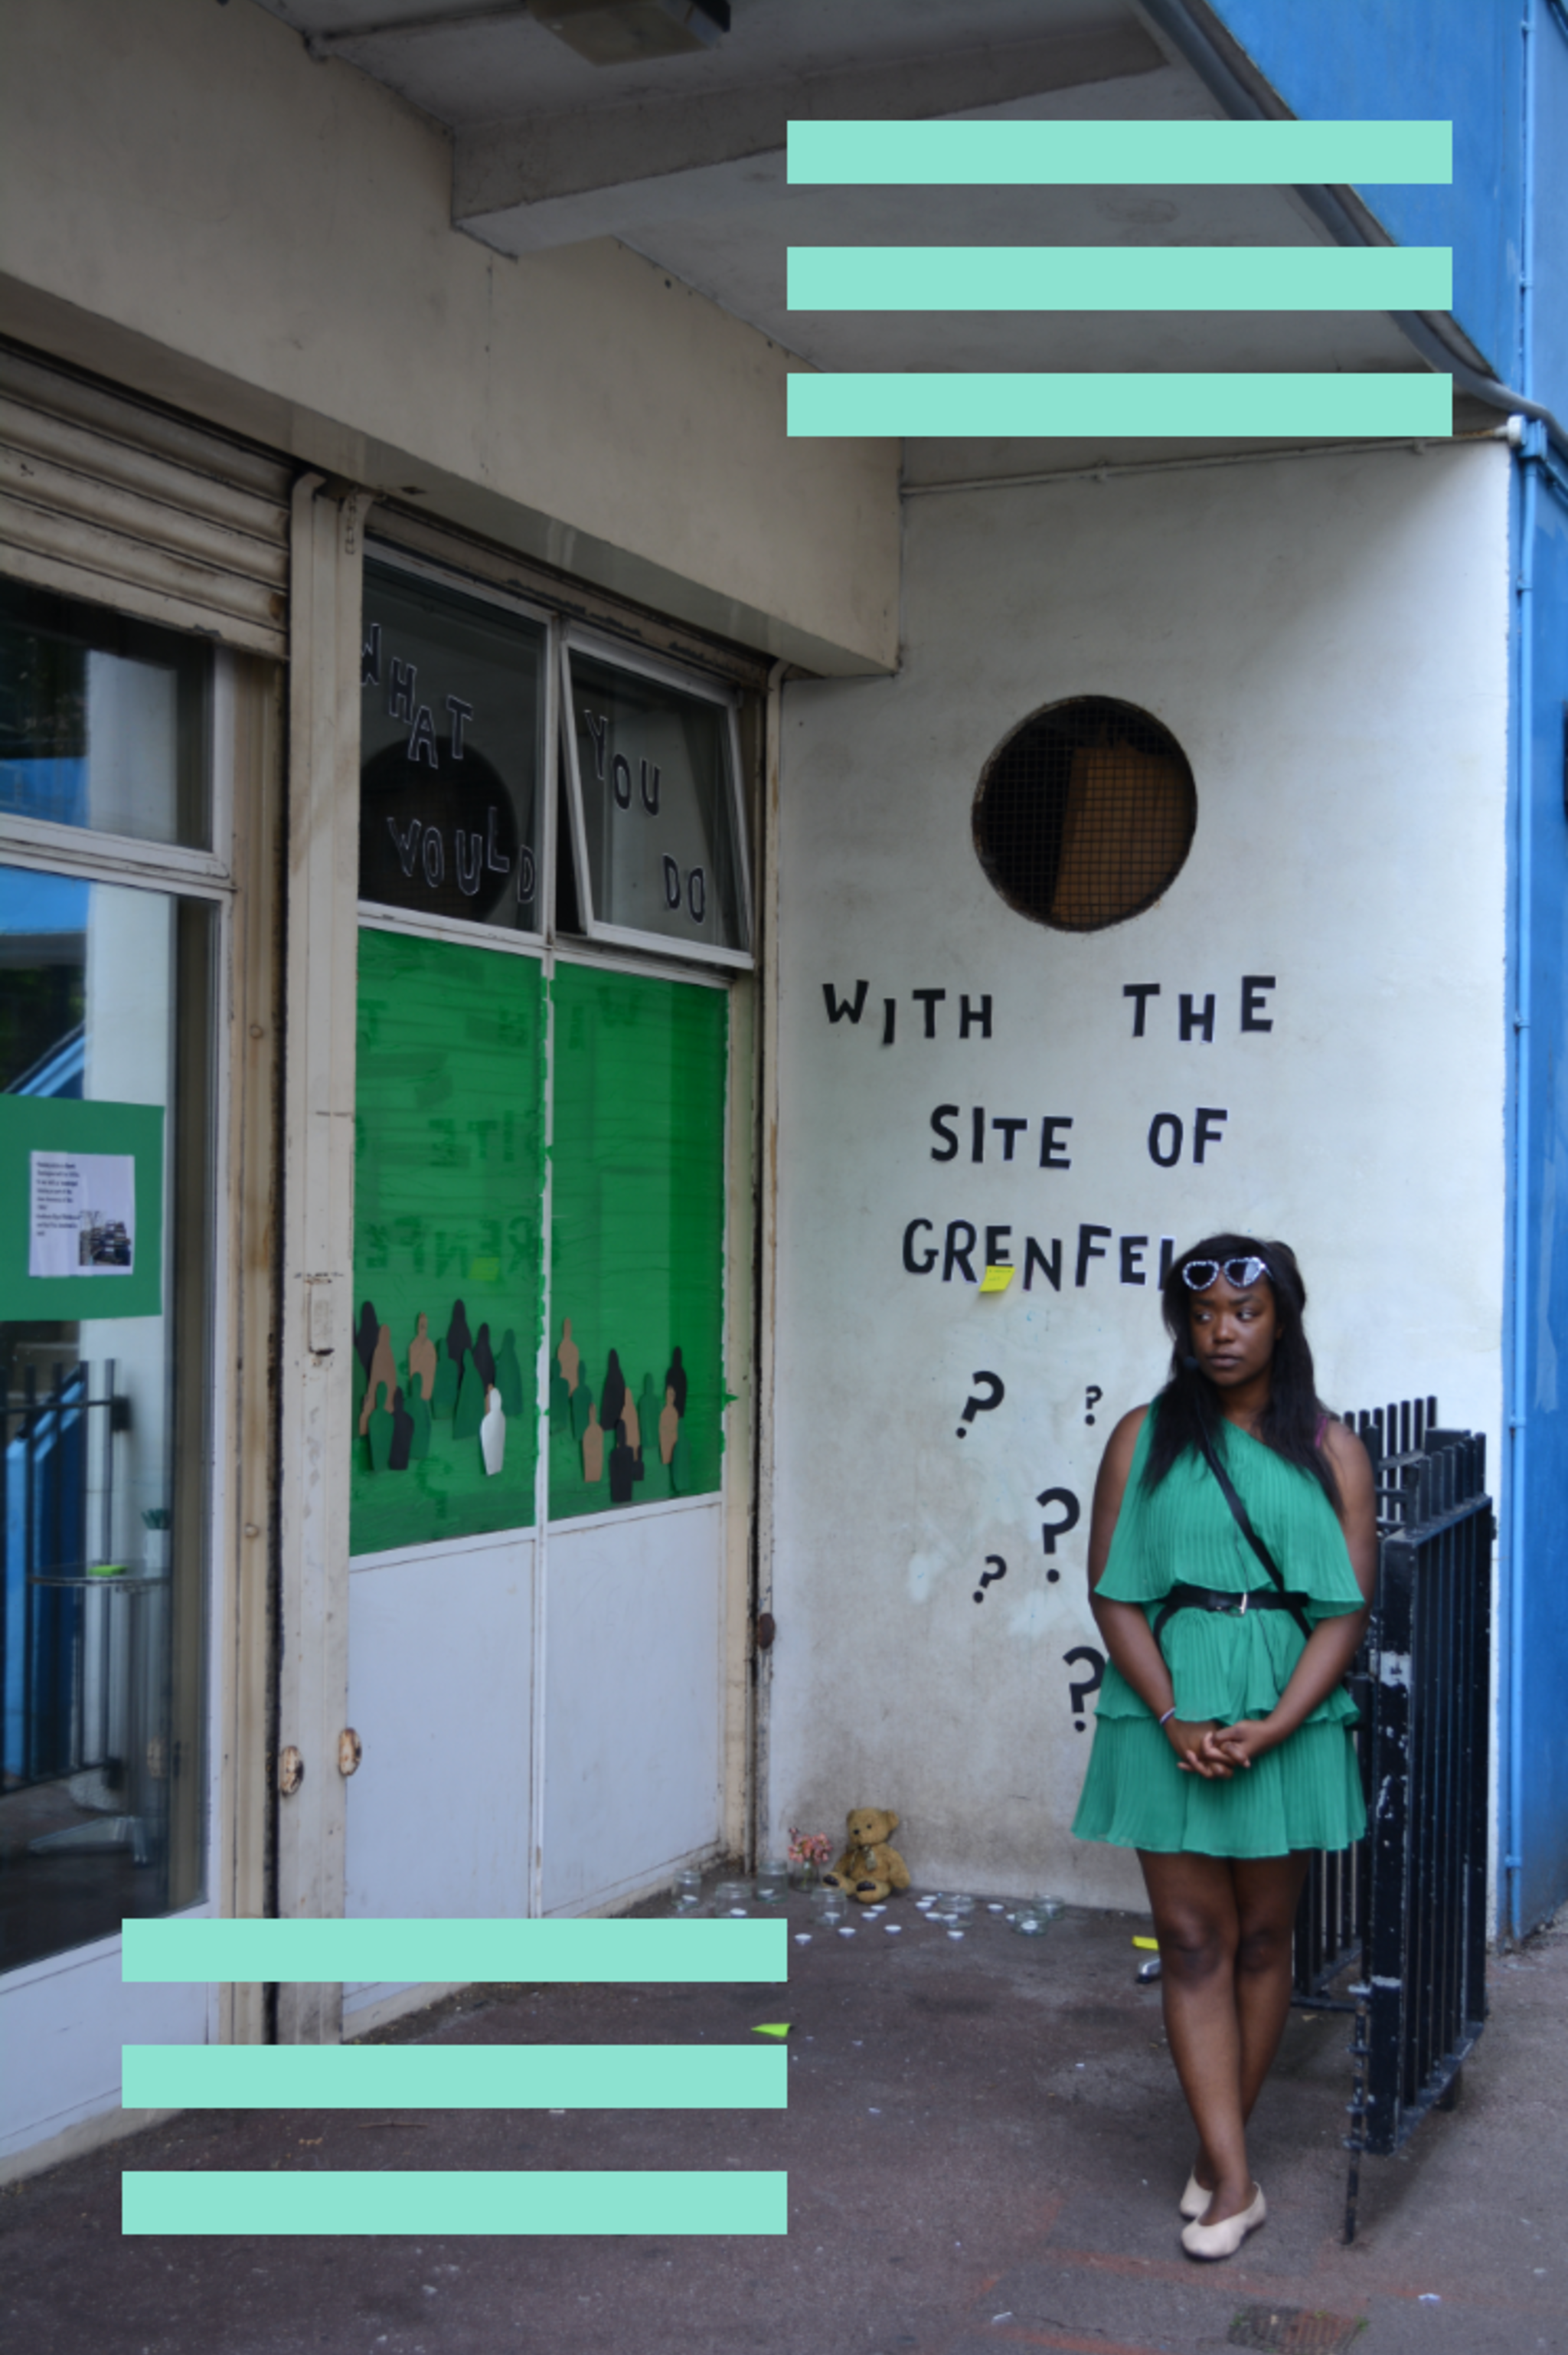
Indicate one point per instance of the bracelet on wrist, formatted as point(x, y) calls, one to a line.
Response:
point(1168, 1715)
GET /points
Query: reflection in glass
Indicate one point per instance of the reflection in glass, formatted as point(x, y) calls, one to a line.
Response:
point(105, 999)
point(656, 768)
point(104, 720)
point(452, 715)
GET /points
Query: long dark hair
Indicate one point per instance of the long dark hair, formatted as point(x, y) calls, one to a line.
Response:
point(1189, 1405)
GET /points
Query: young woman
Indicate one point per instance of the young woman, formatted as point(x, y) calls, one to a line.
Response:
point(1222, 1751)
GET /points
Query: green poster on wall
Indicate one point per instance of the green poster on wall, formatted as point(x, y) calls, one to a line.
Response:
point(81, 1208)
point(636, 1241)
point(447, 1255)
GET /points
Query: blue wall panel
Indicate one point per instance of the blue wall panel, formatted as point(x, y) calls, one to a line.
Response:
point(1549, 327)
point(1447, 61)
point(1539, 1633)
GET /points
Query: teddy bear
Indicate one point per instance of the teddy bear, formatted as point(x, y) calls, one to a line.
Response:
point(869, 1869)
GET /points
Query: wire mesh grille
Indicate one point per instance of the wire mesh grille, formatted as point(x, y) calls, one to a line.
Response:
point(1086, 814)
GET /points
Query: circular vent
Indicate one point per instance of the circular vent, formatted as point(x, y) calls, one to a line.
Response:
point(1086, 814)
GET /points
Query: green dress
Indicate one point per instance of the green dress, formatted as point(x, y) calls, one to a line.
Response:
point(1306, 1793)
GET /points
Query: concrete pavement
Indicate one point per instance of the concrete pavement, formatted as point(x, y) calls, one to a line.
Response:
point(984, 2143)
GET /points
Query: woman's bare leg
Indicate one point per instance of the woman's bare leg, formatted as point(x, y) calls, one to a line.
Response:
point(1268, 1892)
point(1268, 1889)
point(1198, 1924)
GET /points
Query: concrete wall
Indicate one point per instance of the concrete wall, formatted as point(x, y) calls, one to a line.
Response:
point(1328, 639)
point(191, 206)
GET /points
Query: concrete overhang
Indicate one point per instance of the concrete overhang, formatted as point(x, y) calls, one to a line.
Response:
point(682, 159)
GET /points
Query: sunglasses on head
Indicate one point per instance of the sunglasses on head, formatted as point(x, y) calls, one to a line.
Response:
point(1198, 1273)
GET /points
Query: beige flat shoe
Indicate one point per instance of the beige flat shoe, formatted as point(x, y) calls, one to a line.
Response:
point(1194, 2199)
point(1213, 2241)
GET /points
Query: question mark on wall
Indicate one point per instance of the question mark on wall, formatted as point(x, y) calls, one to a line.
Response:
point(990, 1577)
point(974, 1406)
point(1092, 1397)
point(1082, 1686)
point(1071, 1513)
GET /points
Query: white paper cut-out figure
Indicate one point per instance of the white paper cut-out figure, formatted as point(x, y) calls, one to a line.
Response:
point(493, 1432)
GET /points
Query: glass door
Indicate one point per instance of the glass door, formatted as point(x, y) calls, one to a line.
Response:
point(536, 1477)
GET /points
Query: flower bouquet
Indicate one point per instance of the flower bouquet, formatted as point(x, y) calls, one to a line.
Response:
point(809, 1853)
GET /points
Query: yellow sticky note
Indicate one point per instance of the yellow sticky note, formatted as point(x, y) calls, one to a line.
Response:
point(996, 1279)
point(1152, 1946)
point(774, 2028)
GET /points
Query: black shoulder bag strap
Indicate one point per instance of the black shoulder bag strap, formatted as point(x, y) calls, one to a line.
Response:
point(1244, 1523)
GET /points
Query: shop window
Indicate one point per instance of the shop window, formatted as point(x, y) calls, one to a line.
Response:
point(637, 1211)
point(658, 836)
point(103, 721)
point(1086, 814)
point(106, 1159)
point(452, 721)
point(447, 1255)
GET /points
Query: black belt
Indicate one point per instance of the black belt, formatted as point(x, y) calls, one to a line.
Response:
point(1233, 1605)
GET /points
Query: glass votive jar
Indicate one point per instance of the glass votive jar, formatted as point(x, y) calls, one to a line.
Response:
point(1030, 1922)
point(954, 1909)
point(732, 1897)
point(829, 1906)
point(1053, 1908)
point(772, 1880)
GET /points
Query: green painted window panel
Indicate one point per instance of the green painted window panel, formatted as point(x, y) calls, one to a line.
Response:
point(449, 1166)
point(637, 1236)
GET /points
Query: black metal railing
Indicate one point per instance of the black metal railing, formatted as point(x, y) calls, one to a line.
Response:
point(1409, 1902)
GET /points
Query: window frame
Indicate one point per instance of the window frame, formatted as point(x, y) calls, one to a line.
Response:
point(175, 872)
point(601, 647)
point(383, 912)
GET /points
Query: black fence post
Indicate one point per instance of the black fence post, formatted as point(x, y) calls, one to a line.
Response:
point(1409, 1902)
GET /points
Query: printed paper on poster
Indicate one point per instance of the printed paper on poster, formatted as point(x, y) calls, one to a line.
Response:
point(82, 1214)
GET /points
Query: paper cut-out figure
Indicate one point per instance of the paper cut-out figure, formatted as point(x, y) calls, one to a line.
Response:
point(560, 1402)
point(647, 1411)
point(469, 1412)
point(581, 1401)
point(675, 1379)
point(593, 1449)
point(493, 1432)
point(622, 1472)
point(402, 1435)
point(568, 1356)
point(669, 1425)
point(630, 1427)
point(443, 1398)
point(459, 1337)
point(485, 1357)
point(422, 1358)
point(509, 1375)
point(680, 1468)
point(612, 1396)
point(383, 1368)
point(420, 1415)
point(379, 1431)
point(364, 1334)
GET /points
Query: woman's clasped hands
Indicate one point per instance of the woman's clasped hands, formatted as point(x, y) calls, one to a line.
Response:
point(1215, 1751)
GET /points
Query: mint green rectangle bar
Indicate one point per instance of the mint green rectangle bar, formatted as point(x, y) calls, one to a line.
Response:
point(1125, 155)
point(251, 2200)
point(456, 2077)
point(185, 1952)
point(1121, 278)
point(1112, 407)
